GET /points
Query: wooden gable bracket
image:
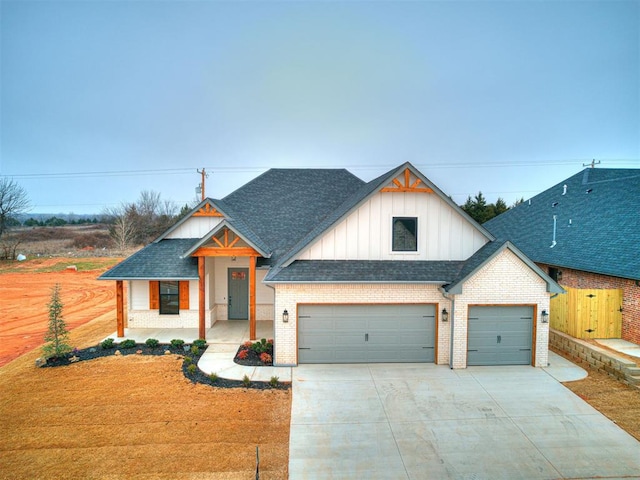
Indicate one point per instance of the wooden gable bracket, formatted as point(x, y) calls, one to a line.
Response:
point(408, 186)
point(225, 248)
point(208, 211)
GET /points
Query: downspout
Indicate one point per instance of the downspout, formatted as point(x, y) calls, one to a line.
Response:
point(445, 294)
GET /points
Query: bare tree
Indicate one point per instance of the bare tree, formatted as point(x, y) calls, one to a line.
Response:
point(13, 201)
point(123, 229)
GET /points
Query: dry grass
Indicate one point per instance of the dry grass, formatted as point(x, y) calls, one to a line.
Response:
point(134, 417)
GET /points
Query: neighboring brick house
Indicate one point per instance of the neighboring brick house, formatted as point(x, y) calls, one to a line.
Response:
point(585, 232)
point(390, 270)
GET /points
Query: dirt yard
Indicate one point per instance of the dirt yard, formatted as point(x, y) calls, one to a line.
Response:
point(26, 291)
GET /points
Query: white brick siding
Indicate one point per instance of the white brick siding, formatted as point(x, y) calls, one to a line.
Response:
point(288, 296)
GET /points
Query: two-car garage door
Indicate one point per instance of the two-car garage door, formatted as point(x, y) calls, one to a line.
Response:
point(366, 333)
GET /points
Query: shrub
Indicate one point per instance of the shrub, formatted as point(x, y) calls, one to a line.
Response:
point(195, 350)
point(107, 344)
point(213, 377)
point(191, 369)
point(247, 344)
point(246, 381)
point(57, 337)
point(177, 342)
point(128, 343)
point(152, 343)
point(265, 358)
point(188, 360)
point(242, 354)
point(274, 381)
point(200, 343)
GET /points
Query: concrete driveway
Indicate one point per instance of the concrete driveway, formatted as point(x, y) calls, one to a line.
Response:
point(392, 421)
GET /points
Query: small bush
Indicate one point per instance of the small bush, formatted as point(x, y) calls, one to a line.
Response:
point(242, 354)
point(262, 346)
point(188, 360)
point(246, 381)
point(152, 343)
point(195, 350)
point(274, 381)
point(247, 344)
point(265, 358)
point(129, 343)
point(200, 343)
point(107, 344)
point(191, 369)
point(213, 377)
point(177, 343)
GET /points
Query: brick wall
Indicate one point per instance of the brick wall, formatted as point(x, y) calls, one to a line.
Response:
point(600, 359)
point(153, 319)
point(289, 296)
point(630, 295)
point(505, 280)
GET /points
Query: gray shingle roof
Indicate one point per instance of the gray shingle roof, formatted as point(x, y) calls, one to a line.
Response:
point(366, 271)
point(283, 205)
point(160, 260)
point(597, 232)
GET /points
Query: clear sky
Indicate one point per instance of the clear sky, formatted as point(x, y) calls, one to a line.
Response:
point(103, 99)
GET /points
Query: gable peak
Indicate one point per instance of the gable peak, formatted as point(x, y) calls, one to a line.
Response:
point(407, 182)
point(207, 210)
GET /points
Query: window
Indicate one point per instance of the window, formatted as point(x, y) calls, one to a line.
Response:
point(169, 298)
point(405, 234)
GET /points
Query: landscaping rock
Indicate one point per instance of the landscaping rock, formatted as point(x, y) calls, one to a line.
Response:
point(41, 362)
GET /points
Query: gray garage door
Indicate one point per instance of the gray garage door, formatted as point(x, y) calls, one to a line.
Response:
point(500, 335)
point(366, 333)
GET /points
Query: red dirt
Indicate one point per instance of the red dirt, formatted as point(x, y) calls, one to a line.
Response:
point(26, 294)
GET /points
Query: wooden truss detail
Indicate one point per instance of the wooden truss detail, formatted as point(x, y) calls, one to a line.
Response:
point(225, 246)
point(398, 186)
point(208, 211)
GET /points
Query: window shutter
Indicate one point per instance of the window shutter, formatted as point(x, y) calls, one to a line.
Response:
point(154, 295)
point(184, 295)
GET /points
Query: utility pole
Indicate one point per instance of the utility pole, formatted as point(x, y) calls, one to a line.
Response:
point(204, 176)
point(592, 164)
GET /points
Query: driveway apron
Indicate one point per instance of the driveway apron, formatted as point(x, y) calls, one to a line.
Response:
point(399, 421)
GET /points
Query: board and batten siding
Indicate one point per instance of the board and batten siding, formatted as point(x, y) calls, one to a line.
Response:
point(366, 234)
point(195, 227)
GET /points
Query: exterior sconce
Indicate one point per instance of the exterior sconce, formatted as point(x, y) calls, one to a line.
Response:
point(285, 316)
point(445, 315)
point(544, 316)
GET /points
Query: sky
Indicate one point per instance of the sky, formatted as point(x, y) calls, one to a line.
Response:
point(100, 100)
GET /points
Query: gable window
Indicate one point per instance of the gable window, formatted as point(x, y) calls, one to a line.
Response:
point(405, 234)
point(169, 298)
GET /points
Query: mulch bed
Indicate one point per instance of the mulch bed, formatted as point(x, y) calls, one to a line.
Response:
point(197, 376)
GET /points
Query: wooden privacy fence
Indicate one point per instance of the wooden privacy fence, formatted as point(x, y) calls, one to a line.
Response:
point(587, 313)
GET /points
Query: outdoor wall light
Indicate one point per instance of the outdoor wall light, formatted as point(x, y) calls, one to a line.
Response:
point(545, 316)
point(445, 315)
point(285, 316)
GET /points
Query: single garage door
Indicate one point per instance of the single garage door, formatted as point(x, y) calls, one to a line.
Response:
point(366, 333)
point(500, 335)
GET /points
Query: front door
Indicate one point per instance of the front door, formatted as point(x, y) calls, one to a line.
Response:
point(238, 294)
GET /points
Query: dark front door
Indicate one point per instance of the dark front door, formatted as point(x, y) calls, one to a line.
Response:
point(238, 294)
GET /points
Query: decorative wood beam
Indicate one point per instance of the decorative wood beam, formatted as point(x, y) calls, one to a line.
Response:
point(201, 298)
point(225, 252)
point(208, 211)
point(407, 187)
point(120, 308)
point(252, 298)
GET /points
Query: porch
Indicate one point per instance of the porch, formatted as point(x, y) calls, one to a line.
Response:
point(223, 332)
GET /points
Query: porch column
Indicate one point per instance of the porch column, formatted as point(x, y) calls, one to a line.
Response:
point(252, 298)
point(201, 298)
point(119, 308)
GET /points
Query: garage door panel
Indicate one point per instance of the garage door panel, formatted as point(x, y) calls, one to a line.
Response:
point(500, 335)
point(366, 333)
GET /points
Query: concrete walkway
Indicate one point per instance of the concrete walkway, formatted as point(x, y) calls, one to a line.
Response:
point(423, 421)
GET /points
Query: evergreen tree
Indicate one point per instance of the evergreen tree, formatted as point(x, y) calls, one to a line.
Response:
point(57, 337)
